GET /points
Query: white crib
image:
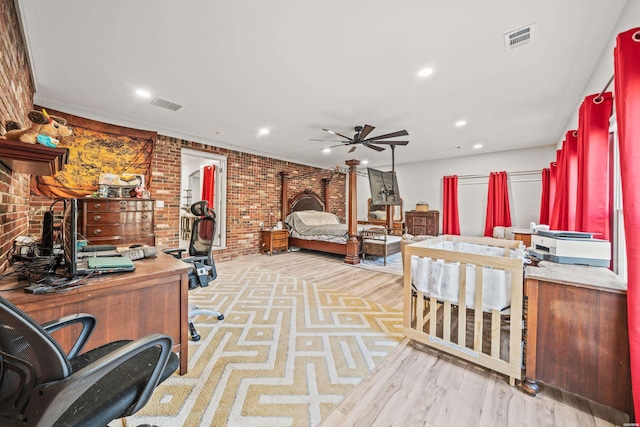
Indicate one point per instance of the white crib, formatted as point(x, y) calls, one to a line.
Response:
point(463, 295)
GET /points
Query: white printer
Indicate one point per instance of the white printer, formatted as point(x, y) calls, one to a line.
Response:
point(570, 247)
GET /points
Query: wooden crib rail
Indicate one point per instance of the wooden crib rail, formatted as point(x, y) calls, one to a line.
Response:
point(478, 339)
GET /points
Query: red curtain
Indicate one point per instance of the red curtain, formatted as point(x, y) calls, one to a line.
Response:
point(544, 199)
point(593, 204)
point(563, 214)
point(450, 217)
point(498, 210)
point(553, 177)
point(627, 103)
point(208, 184)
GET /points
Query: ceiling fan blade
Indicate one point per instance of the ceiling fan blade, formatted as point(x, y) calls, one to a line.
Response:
point(328, 140)
point(336, 133)
point(373, 146)
point(388, 142)
point(353, 149)
point(366, 130)
point(389, 135)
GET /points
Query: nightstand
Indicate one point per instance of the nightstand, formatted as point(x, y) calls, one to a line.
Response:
point(274, 240)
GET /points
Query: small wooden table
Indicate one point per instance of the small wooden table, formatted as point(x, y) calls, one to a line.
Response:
point(128, 306)
point(274, 240)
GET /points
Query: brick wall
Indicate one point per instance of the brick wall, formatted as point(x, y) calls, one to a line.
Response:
point(253, 193)
point(16, 95)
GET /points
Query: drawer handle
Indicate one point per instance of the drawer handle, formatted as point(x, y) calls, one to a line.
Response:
point(144, 205)
point(97, 217)
point(96, 205)
point(144, 217)
point(144, 228)
point(123, 207)
point(97, 231)
point(122, 202)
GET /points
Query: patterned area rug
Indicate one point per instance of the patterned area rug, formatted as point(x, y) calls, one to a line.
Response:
point(286, 353)
point(376, 263)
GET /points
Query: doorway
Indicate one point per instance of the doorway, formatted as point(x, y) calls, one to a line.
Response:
point(192, 182)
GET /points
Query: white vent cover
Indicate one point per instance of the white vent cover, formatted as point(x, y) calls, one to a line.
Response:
point(159, 102)
point(518, 38)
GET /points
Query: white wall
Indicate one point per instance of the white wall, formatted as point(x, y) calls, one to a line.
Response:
point(423, 182)
point(629, 18)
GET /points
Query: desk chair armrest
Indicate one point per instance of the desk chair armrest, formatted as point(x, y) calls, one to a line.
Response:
point(193, 259)
point(58, 396)
point(176, 253)
point(88, 323)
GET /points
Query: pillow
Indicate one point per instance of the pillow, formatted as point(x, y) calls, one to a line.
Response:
point(317, 218)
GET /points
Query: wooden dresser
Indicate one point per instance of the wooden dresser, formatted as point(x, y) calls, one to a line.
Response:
point(117, 221)
point(422, 223)
point(274, 240)
point(577, 337)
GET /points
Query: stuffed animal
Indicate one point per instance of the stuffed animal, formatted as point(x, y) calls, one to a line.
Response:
point(45, 129)
point(137, 191)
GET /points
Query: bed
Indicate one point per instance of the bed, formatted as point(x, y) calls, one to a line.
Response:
point(301, 222)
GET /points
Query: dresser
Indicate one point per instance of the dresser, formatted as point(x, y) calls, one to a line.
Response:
point(117, 221)
point(274, 240)
point(577, 337)
point(421, 223)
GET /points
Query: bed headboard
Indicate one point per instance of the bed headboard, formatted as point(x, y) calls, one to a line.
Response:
point(305, 200)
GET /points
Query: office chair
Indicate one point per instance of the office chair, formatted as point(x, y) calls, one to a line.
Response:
point(40, 385)
point(204, 271)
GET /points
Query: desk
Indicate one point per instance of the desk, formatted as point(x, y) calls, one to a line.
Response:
point(152, 299)
point(577, 333)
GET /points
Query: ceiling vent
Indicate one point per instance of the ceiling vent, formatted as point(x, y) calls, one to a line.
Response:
point(518, 38)
point(163, 103)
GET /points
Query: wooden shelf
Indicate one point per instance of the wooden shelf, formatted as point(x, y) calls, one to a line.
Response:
point(34, 159)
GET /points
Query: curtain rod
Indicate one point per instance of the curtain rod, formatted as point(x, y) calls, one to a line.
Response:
point(486, 175)
point(599, 97)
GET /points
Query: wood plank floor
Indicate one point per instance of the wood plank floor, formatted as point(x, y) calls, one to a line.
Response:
point(419, 386)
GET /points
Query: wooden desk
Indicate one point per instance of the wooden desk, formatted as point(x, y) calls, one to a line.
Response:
point(577, 336)
point(152, 299)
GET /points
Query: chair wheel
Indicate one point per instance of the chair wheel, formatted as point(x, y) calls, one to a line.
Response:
point(221, 317)
point(195, 337)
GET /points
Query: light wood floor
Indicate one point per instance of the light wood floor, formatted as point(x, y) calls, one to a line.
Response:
point(418, 386)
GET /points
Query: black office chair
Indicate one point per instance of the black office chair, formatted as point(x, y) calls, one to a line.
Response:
point(204, 271)
point(40, 385)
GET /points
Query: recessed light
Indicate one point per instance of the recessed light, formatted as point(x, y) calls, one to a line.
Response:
point(477, 146)
point(461, 123)
point(425, 72)
point(326, 150)
point(143, 93)
point(263, 131)
point(365, 162)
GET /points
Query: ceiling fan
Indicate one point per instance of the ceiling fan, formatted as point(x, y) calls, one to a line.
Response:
point(361, 135)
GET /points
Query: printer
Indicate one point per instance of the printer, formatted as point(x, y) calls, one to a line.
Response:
point(570, 247)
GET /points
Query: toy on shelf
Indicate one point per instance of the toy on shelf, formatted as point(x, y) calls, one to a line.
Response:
point(45, 129)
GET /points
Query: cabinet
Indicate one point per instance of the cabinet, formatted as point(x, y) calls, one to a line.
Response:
point(34, 159)
point(577, 337)
point(117, 221)
point(274, 240)
point(421, 223)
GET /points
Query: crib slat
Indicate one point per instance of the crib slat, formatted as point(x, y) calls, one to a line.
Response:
point(446, 329)
point(477, 320)
point(462, 308)
point(495, 333)
point(420, 311)
point(433, 320)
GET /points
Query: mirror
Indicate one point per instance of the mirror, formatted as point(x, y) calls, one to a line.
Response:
point(379, 212)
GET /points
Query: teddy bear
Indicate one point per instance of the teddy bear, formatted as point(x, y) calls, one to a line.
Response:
point(45, 129)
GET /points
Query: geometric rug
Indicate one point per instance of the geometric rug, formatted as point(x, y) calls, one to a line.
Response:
point(286, 354)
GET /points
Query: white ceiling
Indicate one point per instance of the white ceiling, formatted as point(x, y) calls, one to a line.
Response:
point(298, 66)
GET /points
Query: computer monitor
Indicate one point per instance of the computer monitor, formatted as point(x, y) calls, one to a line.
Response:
point(384, 188)
point(70, 236)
